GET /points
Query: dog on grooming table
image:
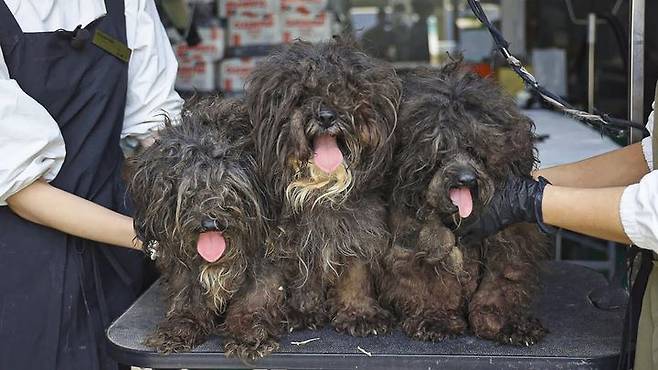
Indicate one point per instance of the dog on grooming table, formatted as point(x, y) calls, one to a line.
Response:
point(459, 139)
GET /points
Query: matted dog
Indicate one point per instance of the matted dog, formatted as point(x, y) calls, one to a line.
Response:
point(323, 120)
point(459, 139)
point(197, 194)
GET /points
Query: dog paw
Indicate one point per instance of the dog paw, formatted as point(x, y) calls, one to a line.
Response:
point(514, 329)
point(250, 350)
point(433, 329)
point(175, 337)
point(522, 332)
point(372, 320)
point(305, 320)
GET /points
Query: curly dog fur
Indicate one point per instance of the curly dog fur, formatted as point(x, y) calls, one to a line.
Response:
point(331, 224)
point(458, 130)
point(200, 173)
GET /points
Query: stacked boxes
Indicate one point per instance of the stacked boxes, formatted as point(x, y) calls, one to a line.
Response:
point(230, 8)
point(254, 29)
point(306, 20)
point(234, 73)
point(250, 27)
point(197, 66)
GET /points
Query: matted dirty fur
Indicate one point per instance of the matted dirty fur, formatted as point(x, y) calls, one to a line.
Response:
point(199, 173)
point(457, 128)
point(331, 225)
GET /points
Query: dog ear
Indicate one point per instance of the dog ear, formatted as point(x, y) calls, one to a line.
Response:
point(271, 93)
point(509, 145)
point(526, 152)
point(377, 114)
point(152, 192)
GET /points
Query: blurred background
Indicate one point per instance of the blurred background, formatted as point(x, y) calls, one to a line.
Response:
point(218, 42)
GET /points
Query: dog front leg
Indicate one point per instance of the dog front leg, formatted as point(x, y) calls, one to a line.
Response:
point(253, 320)
point(305, 302)
point(190, 318)
point(500, 308)
point(353, 304)
point(427, 298)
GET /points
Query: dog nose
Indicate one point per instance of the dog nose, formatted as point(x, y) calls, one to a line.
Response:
point(326, 117)
point(467, 178)
point(209, 224)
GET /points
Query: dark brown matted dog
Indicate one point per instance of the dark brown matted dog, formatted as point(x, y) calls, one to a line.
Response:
point(324, 117)
point(197, 194)
point(459, 138)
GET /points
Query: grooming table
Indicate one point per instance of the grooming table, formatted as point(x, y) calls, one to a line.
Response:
point(581, 337)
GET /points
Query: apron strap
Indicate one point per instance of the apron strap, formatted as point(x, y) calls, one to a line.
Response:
point(9, 27)
point(654, 134)
point(634, 306)
point(116, 12)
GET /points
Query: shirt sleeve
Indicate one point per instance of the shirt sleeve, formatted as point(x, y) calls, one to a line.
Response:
point(151, 72)
point(639, 212)
point(646, 142)
point(638, 208)
point(31, 144)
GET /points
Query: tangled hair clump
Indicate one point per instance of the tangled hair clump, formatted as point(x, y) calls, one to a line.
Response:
point(287, 91)
point(324, 117)
point(459, 139)
point(199, 180)
point(200, 168)
point(458, 111)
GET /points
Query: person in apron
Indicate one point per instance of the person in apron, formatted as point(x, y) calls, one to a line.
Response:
point(613, 196)
point(59, 292)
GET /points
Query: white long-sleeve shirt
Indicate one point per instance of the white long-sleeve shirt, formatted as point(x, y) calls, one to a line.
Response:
point(31, 145)
point(639, 203)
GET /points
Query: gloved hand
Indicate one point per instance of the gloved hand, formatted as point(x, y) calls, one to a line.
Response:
point(519, 200)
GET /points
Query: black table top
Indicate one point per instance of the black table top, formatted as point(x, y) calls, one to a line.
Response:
point(581, 337)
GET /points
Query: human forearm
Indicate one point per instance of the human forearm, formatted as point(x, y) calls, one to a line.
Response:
point(594, 212)
point(621, 167)
point(48, 206)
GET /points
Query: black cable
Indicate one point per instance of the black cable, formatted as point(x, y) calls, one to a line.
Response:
point(603, 121)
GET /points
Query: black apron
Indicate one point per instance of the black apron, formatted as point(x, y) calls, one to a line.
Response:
point(57, 292)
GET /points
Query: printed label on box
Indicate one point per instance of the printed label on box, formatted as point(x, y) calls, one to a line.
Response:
point(212, 44)
point(247, 30)
point(308, 27)
point(234, 72)
point(197, 73)
point(230, 8)
point(304, 6)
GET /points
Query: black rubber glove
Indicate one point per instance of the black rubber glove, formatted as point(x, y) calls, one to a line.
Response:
point(518, 201)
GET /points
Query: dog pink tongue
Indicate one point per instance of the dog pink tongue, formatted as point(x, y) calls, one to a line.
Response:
point(461, 197)
point(211, 245)
point(327, 155)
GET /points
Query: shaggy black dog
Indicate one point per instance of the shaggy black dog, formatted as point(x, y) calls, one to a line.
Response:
point(196, 193)
point(323, 120)
point(459, 139)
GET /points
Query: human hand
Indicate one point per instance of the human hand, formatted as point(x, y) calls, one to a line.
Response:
point(519, 200)
point(148, 140)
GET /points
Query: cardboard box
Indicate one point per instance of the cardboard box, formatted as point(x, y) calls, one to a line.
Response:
point(305, 6)
point(313, 27)
point(197, 72)
point(255, 29)
point(230, 8)
point(211, 46)
point(234, 72)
